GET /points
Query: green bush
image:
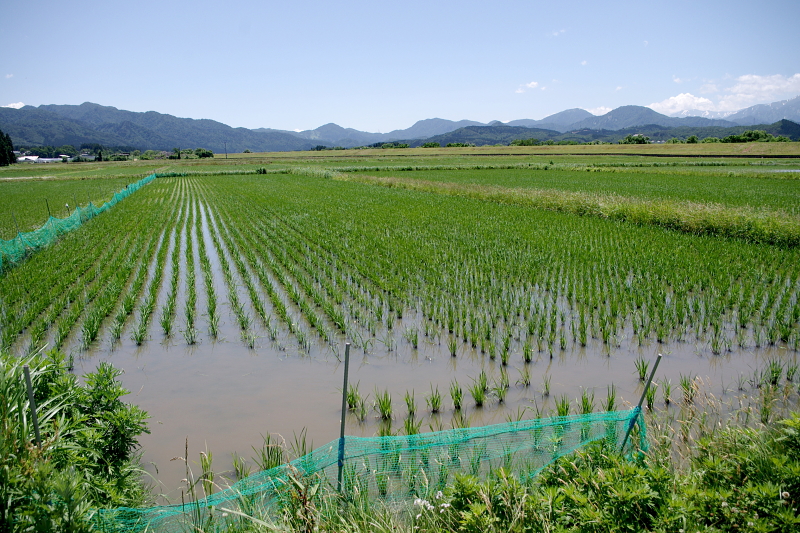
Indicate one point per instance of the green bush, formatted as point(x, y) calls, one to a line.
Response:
point(88, 455)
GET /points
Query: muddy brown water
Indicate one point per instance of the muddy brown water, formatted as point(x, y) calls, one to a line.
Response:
point(223, 396)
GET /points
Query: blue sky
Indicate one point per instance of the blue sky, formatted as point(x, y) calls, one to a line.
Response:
point(379, 66)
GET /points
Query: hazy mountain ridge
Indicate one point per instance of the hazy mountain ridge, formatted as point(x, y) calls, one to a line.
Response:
point(56, 125)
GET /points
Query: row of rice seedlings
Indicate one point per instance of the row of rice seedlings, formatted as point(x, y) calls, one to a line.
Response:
point(148, 304)
point(107, 298)
point(168, 311)
point(279, 269)
point(60, 308)
point(41, 299)
point(607, 316)
point(79, 271)
point(208, 278)
point(286, 264)
point(190, 306)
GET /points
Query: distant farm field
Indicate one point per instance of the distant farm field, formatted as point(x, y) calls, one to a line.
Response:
point(227, 290)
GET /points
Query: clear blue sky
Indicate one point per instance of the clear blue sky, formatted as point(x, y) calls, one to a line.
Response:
point(379, 66)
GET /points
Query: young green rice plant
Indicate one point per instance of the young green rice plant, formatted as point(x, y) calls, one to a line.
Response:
point(361, 410)
point(791, 371)
point(504, 355)
point(650, 395)
point(587, 402)
point(546, 385)
point(500, 392)
point(452, 345)
point(688, 388)
point(524, 377)
point(562, 405)
point(191, 335)
point(641, 367)
point(527, 351)
point(353, 396)
point(741, 381)
point(666, 391)
point(411, 404)
point(460, 421)
point(478, 393)
point(383, 404)
point(483, 380)
point(411, 425)
point(774, 372)
point(139, 333)
point(412, 336)
point(503, 382)
point(213, 325)
point(240, 467)
point(456, 394)
point(611, 398)
point(434, 401)
point(272, 453)
point(491, 349)
point(250, 339)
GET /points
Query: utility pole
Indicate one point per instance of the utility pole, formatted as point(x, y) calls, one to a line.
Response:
point(226, 149)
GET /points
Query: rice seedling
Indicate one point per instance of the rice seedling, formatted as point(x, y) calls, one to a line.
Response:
point(688, 388)
point(361, 410)
point(412, 336)
point(524, 377)
point(452, 345)
point(503, 382)
point(546, 385)
point(562, 405)
point(666, 391)
point(774, 372)
point(741, 380)
point(139, 334)
point(504, 355)
point(411, 404)
point(527, 352)
point(240, 467)
point(456, 394)
point(587, 402)
point(611, 398)
point(434, 400)
point(191, 335)
point(791, 371)
point(650, 395)
point(271, 453)
point(483, 380)
point(383, 404)
point(411, 425)
point(460, 420)
point(500, 392)
point(478, 393)
point(353, 396)
point(641, 367)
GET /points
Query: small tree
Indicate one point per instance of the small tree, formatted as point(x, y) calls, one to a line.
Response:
point(638, 138)
point(203, 152)
point(431, 145)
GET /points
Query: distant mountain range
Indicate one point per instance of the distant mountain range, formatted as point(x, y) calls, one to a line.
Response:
point(57, 125)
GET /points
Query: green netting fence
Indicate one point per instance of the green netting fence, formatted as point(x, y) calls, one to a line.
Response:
point(15, 250)
point(391, 468)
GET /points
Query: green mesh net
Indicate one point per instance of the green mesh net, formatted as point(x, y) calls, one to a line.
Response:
point(395, 467)
point(16, 249)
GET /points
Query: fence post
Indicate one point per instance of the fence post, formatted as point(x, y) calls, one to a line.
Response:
point(33, 405)
point(639, 407)
point(344, 416)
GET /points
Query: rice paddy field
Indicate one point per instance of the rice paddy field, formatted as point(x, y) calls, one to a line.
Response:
point(227, 290)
